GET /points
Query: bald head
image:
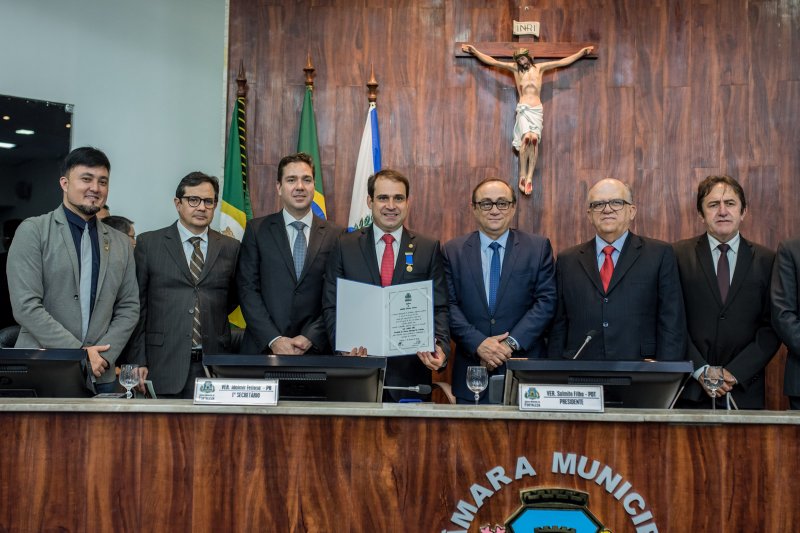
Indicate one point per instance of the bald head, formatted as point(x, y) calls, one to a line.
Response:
point(611, 209)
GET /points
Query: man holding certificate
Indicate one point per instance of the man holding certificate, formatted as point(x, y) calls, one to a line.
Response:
point(386, 254)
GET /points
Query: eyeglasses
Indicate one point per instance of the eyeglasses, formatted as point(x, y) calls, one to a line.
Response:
point(616, 204)
point(194, 201)
point(487, 205)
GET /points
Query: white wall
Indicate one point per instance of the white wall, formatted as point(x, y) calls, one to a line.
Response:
point(146, 79)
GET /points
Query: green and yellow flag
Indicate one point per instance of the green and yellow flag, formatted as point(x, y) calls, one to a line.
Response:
point(307, 142)
point(236, 210)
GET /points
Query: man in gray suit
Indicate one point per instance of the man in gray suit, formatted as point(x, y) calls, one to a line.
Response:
point(186, 275)
point(282, 266)
point(71, 278)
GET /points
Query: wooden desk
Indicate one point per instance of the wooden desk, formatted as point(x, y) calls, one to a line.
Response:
point(170, 466)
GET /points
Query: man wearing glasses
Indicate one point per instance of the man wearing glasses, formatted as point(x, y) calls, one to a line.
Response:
point(187, 287)
point(619, 288)
point(501, 285)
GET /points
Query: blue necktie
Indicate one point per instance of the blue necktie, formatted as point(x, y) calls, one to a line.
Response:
point(494, 276)
point(299, 251)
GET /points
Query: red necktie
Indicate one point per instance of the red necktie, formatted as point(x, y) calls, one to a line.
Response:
point(387, 261)
point(608, 267)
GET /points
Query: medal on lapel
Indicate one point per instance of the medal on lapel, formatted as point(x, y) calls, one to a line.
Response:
point(410, 260)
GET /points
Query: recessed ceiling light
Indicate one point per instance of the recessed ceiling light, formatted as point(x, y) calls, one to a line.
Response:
point(6, 117)
point(69, 125)
point(7, 145)
point(24, 132)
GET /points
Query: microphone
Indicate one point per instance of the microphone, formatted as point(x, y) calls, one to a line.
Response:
point(419, 389)
point(589, 336)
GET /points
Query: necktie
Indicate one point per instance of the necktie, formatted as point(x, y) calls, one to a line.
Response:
point(494, 276)
point(299, 250)
point(608, 267)
point(387, 261)
point(723, 271)
point(196, 267)
point(86, 280)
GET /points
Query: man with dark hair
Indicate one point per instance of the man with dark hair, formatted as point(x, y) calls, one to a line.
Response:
point(725, 281)
point(72, 280)
point(187, 288)
point(122, 224)
point(370, 255)
point(502, 288)
point(281, 269)
point(622, 286)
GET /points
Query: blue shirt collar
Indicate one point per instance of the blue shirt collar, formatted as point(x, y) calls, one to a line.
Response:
point(599, 243)
point(486, 240)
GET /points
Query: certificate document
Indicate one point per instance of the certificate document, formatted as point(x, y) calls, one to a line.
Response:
point(387, 321)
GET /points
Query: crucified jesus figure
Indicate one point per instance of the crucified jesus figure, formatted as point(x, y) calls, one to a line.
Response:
point(530, 114)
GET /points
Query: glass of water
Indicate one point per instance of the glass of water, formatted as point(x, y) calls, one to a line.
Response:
point(477, 380)
point(129, 378)
point(713, 379)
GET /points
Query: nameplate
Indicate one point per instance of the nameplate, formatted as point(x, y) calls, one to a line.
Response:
point(236, 391)
point(585, 398)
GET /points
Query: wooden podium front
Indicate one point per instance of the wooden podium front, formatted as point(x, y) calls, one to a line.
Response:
point(170, 466)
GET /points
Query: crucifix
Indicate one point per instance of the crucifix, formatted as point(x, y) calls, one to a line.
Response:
point(528, 79)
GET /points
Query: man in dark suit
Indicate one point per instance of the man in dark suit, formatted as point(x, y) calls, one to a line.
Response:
point(725, 281)
point(187, 287)
point(785, 294)
point(622, 286)
point(71, 278)
point(282, 266)
point(387, 253)
point(502, 288)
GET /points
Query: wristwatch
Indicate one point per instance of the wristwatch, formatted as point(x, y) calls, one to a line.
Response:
point(511, 343)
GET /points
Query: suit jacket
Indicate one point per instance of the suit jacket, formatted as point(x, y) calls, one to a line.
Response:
point(737, 334)
point(640, 316)
point(44, 284)
point(526, 299)
point(274, 301)
point(353, 258)
point(785, 294)
point(163, 338)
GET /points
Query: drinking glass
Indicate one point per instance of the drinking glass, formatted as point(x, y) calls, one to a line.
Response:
point(477, 380)
point(713, 379)
point(129, 378)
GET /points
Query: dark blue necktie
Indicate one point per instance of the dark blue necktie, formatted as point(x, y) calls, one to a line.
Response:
point(494, 276)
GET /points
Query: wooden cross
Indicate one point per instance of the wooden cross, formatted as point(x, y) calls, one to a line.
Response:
point(536, 49)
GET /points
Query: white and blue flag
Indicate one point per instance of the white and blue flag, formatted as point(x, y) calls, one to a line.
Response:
point(369, 162)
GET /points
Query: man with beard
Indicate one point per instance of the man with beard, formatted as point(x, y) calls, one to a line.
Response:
point(187, 288)
point(530, 114)
point(72, 279)
point(282, 266)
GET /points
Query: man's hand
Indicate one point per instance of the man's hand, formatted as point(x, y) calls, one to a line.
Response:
point(433, 360)
point(98, 364)
point(358, 352)
point(494, 352)
point(284, 346)
point(142, 376)
point(300, 343)
point(727, 385)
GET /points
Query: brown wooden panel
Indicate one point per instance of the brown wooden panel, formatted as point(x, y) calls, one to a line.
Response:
point(204, 472)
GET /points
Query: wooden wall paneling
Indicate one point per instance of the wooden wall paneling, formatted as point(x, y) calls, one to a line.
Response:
point(396, 108)
point(677, 44)
point(263, 196)
point(432, 63)
point(594, 138)
point(676, 155)
point(763, 69)
point(783, 204)
point(735, 145)
point(621, 132)
point(351, 113)
point(732, 42)
point(649, 89)
point(620, 43)
point(705, 83)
